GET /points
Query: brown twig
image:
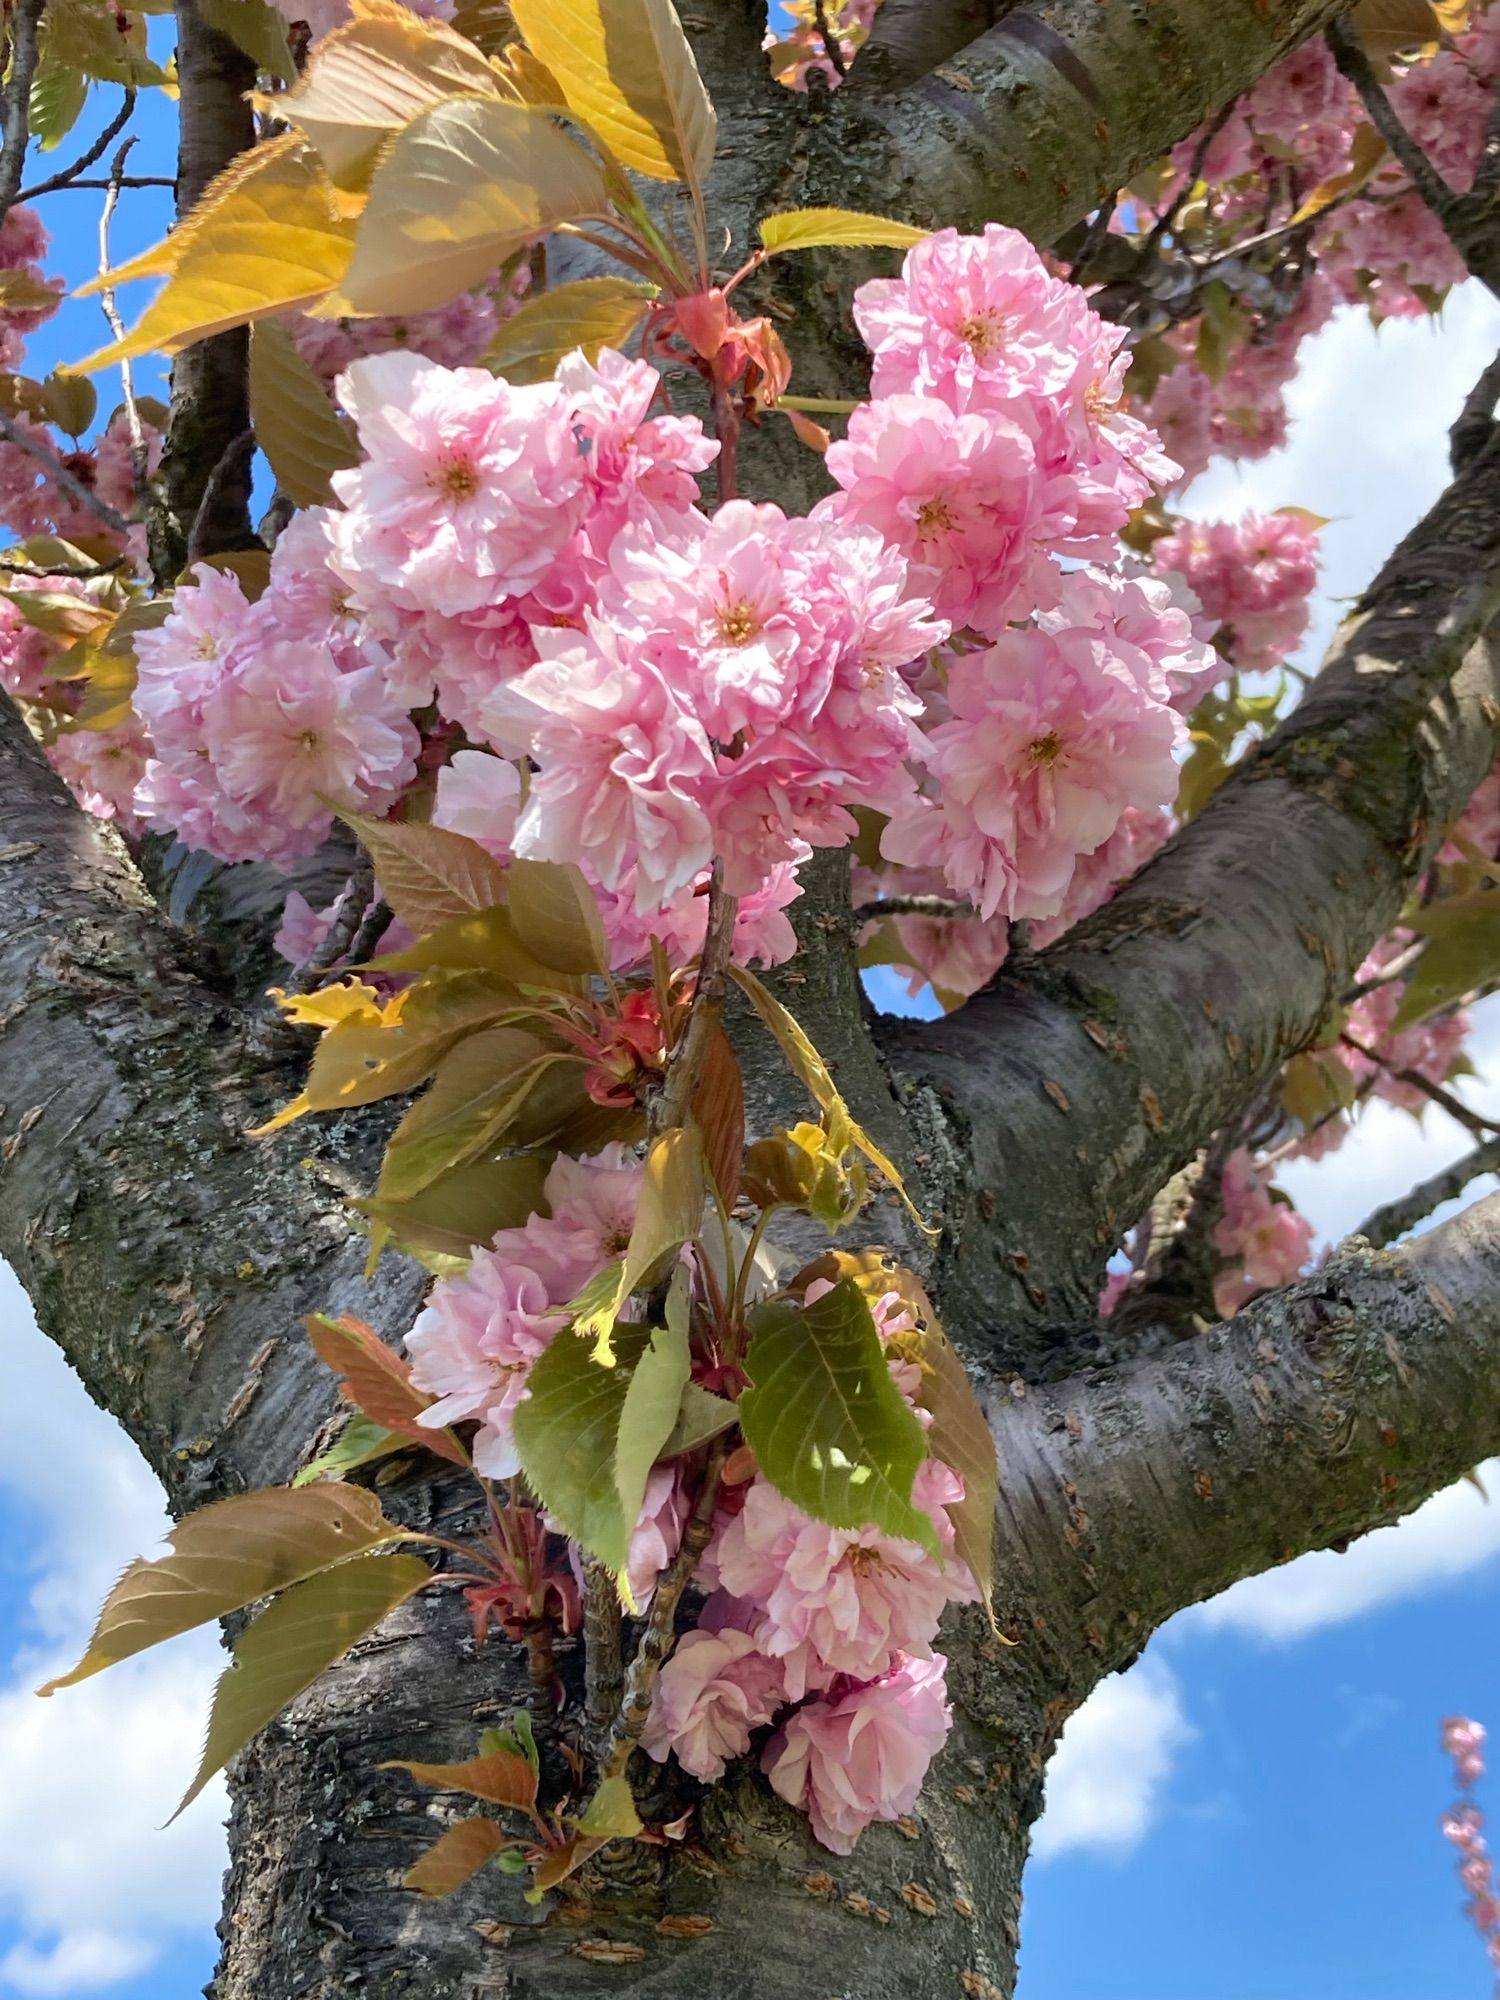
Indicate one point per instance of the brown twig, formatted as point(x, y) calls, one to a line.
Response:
point(910, 906)
point(656, 1642)
point(685, 1063)
point(97, 151)
point(829, 37)
point(67, 481)
point(1455, 1107)
point(1393, 1218)
point(15, 99)
point(604, 1655)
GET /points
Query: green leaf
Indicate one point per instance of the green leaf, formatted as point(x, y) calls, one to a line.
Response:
point(463, 186)
point(461, 1208)
point(1463, 953)
point(499, 1777)
point(589, 313)
point(669, 1213)
point(296, 425)
point(481, 941)
point(58, 94)
point(106, 43)
point(627, 69)
point(610, 1814)
point(479, 1088)
point(457, 1856)
point(426, 873)
point(360, 1442)
point(702, 1416)
point(556, 916)
point(517, 1737)
point(226, 1556)
point(653, 1398)
point(961, 1437)
point(827, 1425)
point(582, 1437)
point(818, 228)
point(294, 1641)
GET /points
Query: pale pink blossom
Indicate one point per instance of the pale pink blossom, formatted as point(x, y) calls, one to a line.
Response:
point(1265, 1240)
point(862, 1755)
point(715, 1689)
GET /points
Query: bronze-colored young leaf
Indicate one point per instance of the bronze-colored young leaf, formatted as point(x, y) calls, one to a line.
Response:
point(295, 1641)
point(828, 1426)
point(819, 228)
point(627, 69)
point(226, 1556)
point(719, 1112)
point(1406, 27)
point(266, 236)
point(456, 1857)
point(378, 1382)
point(589, 313)
point(556, 916)
point(296, 426)
point(558, 1863)
point(463, 186)
point(368, 79)
point(500, 1778)
point(426, 873)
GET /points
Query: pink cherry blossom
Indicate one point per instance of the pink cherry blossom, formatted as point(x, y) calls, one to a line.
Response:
point(1267, 1240)
point(862, 1755)
point(715, 1689)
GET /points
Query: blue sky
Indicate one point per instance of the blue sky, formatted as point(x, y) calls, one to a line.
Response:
point(1250, 1814)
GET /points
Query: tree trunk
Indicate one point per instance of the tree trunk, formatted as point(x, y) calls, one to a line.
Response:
point(172, 1258)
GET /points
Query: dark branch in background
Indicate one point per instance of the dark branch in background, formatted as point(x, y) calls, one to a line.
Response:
point(1455, 1107)
point(15, 100)
point(68, 482)
point(910, 906)
point(828, 35)
point(1393, 1218)
point(232, 471)
point(97, 151)
point(1316, 1414)
point(210, 381)
point(348, 919)
point(1474, 425)
point(1118, 1053)
point(1468, 220)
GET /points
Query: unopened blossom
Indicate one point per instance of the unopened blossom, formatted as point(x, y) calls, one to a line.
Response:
point(862, 1755)
point(714, 1690)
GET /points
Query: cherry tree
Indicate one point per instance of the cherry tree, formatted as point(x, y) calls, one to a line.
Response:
point(661, 513)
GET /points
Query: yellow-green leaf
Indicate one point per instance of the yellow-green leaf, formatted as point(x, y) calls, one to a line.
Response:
point(1365, 155)
point(669, 1213)
point(479, 1088)
point(265, 237)
point(296, 425)
point(426, 873)
point(360, 1442)
point(828, 1426)
point(842, 1128)
point(367, 81)
point(295, 1641)
point(702, 1416)
point(104, 42)
point(462, 1208)
point(610, 1814)
point(463, 186)
point(961, 1437)
point(846, 228)
point(556, 916)
point(256, 27)
point(1462, 953)
point(627, 69)
point(226, 1556)
point(589, 313)
point(58, 93)
point(361, 1061)
point(456, 1857)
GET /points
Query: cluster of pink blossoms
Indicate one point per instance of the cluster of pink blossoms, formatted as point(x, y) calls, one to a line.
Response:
point(799, 51)
point(321, 17)
point(1376, 1051)
point(1252, 577)
point(1265, 1241)
point(1463, 1827)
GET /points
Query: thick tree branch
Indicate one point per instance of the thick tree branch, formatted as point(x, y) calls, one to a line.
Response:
point(170, 1257)
point(15, 100)
point(1313, 1416)
point(1116, 1055)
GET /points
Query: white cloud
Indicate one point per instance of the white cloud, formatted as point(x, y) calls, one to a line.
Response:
point(1453, 1534)
point(91, 1774)
point(1105, 1784)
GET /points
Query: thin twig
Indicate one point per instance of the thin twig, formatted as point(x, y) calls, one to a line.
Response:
point(130, 181)
point(1191, 179)
point(68, 482)
point(656, 1642)
point(348, 916)
point(911, 906)
point(238, 451)
point(604, 1656)
point(83, 572)
point(1455, 1107)
point(97, 151)
point(685, 1063)
point(377, 921)
point(15, 100)
point(1388, 974)
point(828, 34)
point(1393, 1218)
point(139, 460)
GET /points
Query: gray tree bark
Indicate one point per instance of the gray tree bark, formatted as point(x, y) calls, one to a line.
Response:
point(172, 1258)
